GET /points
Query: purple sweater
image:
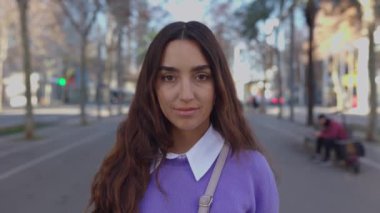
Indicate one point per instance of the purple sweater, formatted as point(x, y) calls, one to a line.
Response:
point(246, 184)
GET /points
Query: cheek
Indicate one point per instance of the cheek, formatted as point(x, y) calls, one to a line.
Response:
point(164, 96)
point(209, 96)
point(211, 92)
point(160, 97)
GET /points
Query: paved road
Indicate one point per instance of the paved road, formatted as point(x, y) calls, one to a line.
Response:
point(53, 174)
point(309, 187)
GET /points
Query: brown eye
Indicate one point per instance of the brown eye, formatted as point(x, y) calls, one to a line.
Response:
point(168, 78)
point(202, 77)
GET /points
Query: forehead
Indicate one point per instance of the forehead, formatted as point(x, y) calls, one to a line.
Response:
point(183, 53)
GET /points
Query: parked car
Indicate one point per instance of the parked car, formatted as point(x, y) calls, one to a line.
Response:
point(276, 101)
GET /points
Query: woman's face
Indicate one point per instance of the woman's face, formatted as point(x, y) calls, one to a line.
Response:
point(185, 88)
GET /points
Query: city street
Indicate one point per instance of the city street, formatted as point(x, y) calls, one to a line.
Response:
point(53, 173)
point(295, 67)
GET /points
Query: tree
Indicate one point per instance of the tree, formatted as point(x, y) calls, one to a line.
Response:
point(310, 13)
point(82, 15)
point(8, 19)
point(99, 80)
point(291, 65)
point(109, 63)
point(250, 17)
point(278, 56)
point(261, 11)
point(220, 13)
point(128, 36)
point(121, 11)
point(371, 16)
point(3, 56)
point(255, 12)
point(141, 31)
point(49, 46)
point(337, 24)
point(29, 123)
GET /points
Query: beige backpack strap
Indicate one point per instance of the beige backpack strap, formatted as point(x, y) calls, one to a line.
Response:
point(206, 199)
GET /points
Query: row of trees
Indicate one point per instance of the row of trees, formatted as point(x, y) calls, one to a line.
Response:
point(103, 34)
point(326, 20)
point(97, 36)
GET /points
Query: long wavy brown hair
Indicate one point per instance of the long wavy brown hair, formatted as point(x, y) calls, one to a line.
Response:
point(144, 136)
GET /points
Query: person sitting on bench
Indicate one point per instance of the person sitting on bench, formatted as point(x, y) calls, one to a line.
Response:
point(331, 131)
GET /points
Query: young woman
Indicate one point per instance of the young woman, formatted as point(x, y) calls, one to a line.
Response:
point(185, 112)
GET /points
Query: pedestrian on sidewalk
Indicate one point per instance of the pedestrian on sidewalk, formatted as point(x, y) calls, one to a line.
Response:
point(331, 132)
point(185, 129)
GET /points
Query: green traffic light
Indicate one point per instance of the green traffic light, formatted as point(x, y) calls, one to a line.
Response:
point(61, 82)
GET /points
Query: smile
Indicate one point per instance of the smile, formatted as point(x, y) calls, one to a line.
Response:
point(185, 111)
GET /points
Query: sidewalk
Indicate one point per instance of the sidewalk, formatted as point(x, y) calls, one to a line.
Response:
point(372, 157)
point(355, 119)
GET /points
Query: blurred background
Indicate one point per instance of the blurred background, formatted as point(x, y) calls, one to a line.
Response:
point(68, 71)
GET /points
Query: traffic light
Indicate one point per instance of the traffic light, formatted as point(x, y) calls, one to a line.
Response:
point(61, 82)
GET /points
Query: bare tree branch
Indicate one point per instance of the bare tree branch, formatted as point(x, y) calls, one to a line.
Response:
point(93, 18)
point(69, 15)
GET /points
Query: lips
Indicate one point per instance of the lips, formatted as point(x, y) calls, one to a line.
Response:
point(188, 111)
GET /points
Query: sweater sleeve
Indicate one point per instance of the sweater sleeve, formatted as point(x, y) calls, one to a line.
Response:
point(266, 193)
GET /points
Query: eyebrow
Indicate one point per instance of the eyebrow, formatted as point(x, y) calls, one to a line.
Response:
point(173, 69)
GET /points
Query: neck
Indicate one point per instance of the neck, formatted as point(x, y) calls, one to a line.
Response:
point(184, 140)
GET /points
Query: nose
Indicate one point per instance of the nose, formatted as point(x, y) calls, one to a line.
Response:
point(186, 91)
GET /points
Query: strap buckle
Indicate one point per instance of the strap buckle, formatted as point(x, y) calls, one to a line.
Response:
point(205, 200)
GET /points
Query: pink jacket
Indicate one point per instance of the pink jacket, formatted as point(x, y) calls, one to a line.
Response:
point(334, 130)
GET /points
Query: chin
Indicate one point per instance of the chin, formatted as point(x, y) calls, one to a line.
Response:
point(190, 126)
point(186, 127)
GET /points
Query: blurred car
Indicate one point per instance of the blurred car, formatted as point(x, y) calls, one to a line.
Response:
point(276, 101)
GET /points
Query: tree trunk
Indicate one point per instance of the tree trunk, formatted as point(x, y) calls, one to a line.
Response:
point(119, 68)
point(372, 115)
point(109, 64)
point(129, 53)
point(29, 123)
point(83, 86)
point(266, 53)
point(291, 67)
point(279, 76)
point(3, 57)
point(83, 27)
point(310, 78)
point(99, 84)
point(1, 82)
point(65, 92)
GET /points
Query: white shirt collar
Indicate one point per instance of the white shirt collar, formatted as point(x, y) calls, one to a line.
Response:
point(203, 154)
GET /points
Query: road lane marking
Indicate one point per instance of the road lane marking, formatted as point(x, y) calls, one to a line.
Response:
point(22, 148)
point(296, 138)
point(34, 144)
point(50, 155)
point(30, 145)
